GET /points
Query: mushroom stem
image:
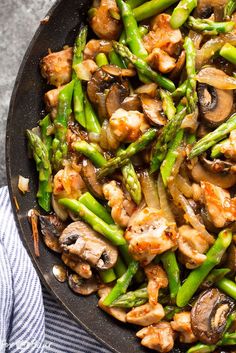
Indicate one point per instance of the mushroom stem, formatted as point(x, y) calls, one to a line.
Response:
point(213, 258)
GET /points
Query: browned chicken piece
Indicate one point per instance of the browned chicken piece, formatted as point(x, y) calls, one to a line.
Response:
point(157, 279)
point(82, 268)
point(182, 324)
point(193, 246)
point(163, 36)
point(51, 101)
point(57, 67)
point(68, 183)
point(105, 22)
point(159, 337)
point(161, 61)
point(95, 46)
point(145, 314)
point(117, 313)
point(122, 207)
point(220, 207)
point(85, 69)
point(125, 126)
point(228, 148)
point(150, 234)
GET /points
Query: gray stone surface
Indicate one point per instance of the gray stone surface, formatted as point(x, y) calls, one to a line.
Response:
point(18, 21)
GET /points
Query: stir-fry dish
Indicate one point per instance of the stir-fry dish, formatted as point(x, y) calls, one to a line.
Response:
point(137, 168)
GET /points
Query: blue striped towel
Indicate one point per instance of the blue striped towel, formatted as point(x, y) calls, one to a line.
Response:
point(31, 321)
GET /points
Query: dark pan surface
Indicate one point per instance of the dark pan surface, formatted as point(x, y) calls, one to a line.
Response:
point(25, 110)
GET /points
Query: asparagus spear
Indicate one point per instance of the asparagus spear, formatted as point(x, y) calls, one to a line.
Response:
point(46, 139)
point(120, 267)
point(213, 258)
point(122, 284)
point(90, 151)
point(170, 311)
point(227, 286)
point(202, 348)
point(191, 93)
point(152, 8)
point(228, 52)
point(131, 181)
point(101, 59)
point(78, 95)
point(132, 299)
point(229, 8)
point(107, 276)
point(135, 3)
point(180, 91)
point(124, 156)
point(169, 161)
point(182, 12)
point(216, 150)
point(167, 104)
point(41, 157)
point(111, 232)
point(115, 59)
point(92, 123)
point(173, 273)
point(209, 27)
point(213, 137)
point(143, 67)
point(59, 144)
point(168, 133)
point(94, 206)
point(215, 276)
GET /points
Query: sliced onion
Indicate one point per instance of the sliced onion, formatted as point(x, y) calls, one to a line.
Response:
point(58, 209)
point(212, 46)
point(184, 187)
point(94, 137)
point(23, 184)
point(149, 189)
point(148, 88)
point(85, 69)
point(190, 121)
point(164, 202)
point(196, 38)
point(221, 81)
point(190, 216)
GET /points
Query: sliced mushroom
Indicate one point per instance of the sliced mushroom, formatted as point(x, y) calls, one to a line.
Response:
point(99, 82)
point(117, 93)
point(81, 240)
point(224, 180)
point(51, 228)
point(88, 173)
point(117, 313)
point(131, 103)
point(82, 286)
point(216, 165)
point(215, 104)
point(209, 315)
point(152, 109)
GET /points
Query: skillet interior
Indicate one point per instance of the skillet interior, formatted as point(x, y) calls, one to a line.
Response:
point(26, 109)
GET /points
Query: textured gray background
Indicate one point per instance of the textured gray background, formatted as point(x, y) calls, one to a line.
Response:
point(18, 22)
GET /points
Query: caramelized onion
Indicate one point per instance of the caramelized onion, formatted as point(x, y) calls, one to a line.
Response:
point(164, 202)
point(149, 189)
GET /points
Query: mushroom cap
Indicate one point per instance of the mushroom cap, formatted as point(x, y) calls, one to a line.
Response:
point(82, 286)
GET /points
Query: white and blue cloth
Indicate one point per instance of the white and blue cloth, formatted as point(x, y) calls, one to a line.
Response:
point(31, 321)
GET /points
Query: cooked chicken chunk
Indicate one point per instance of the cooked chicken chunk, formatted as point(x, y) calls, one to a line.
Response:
point(228, 148)
point(145, 314)
point(159, 337)
point(161, 61)
point(82, 268)
point(124, 126)
point(85, 69)
point(105, 22)
point(117, 313)
point(68, 183)
point(95, 46)
point(150, 234)
point(192, 245)
point(220, 207)
point(163, 36)
point(157, 279)
point(51, 100)
point(56, 67)
point(121, 205)
point(182, 324)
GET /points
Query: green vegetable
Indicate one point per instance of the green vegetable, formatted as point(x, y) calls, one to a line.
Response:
point(191, 93)
point(94, 206)
point(213, 137)
point(44, 124)
point(90, 152)
point(180, 91)
point(92, 123)
point(182, 12)
point(210, 27)
point(152, 8)
point(41, 157)
point(122, 284)
point(173, 273)
point(167, 104)
point(214, 276)
point(117, 162)
point(228, 52)
point(107, 276)
point(120, 267)
point(197, 276)
point(229, 8)
point(227, 286)
point(143, 67)
point(111, 232)
point(132, 299)
point(101, 59)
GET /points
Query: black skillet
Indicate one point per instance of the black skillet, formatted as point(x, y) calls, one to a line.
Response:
point(26, 109)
